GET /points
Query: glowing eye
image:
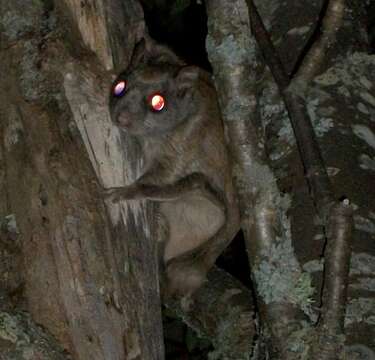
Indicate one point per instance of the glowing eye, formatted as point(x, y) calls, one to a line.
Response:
point(157, 102)
point(119, 88)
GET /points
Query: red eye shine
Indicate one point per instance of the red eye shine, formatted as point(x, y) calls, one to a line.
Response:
point(119, 88)
point(157, 102)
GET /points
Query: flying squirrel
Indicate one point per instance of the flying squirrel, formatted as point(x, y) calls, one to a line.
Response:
point(173, 112)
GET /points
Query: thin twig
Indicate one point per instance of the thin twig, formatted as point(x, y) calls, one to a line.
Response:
point(338, 217)
point(315, 169)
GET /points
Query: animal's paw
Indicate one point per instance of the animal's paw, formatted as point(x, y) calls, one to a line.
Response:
point(184, 280)
point(196, 180)
point(112, 194)
point(116, 194)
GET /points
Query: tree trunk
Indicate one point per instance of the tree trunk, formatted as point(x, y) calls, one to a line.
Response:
point(89, 269)
point(86, 270)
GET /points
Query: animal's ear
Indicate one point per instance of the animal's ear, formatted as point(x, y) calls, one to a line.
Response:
point(161, 54)
point(185, 80)
point(147, 51)
point(139, 54)
point(187, 76)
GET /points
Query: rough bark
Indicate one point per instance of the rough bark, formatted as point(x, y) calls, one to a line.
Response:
point(277, 274)
point(22, 339)
point(94, 263)
point(229, 53)
point(91, 280)
point(52, 195)
point(338, 112)
point(337, 218)
point(223, 313)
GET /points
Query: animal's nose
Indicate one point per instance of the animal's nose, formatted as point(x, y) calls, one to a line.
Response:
point(124, 120)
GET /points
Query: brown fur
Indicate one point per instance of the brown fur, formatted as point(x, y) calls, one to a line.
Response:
point(187, 169)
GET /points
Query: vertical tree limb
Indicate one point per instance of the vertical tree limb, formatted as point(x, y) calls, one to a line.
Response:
point(90, 279)
point(134, 253)
point(338, 219)
point(310, 153)
point(274, 266)
point(112, 155)
point(331, 23)
point(315, 171)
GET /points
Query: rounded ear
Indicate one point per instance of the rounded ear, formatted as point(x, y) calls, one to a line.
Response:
point(158, 54)
point(147, 51)
point(188, 75)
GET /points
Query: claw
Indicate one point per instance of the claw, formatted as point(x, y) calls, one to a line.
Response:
point(112, 194)
point(116, 194)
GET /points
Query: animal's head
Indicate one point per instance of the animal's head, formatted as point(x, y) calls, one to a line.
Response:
point(155, 94)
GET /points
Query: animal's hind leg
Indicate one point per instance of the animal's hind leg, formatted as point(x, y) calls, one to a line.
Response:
point(186, 273)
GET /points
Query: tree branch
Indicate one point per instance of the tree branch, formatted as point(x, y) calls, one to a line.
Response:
point(338, 218)
point(221, 311)
point(315, 170)
point(331, 23)
point(274, 267)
